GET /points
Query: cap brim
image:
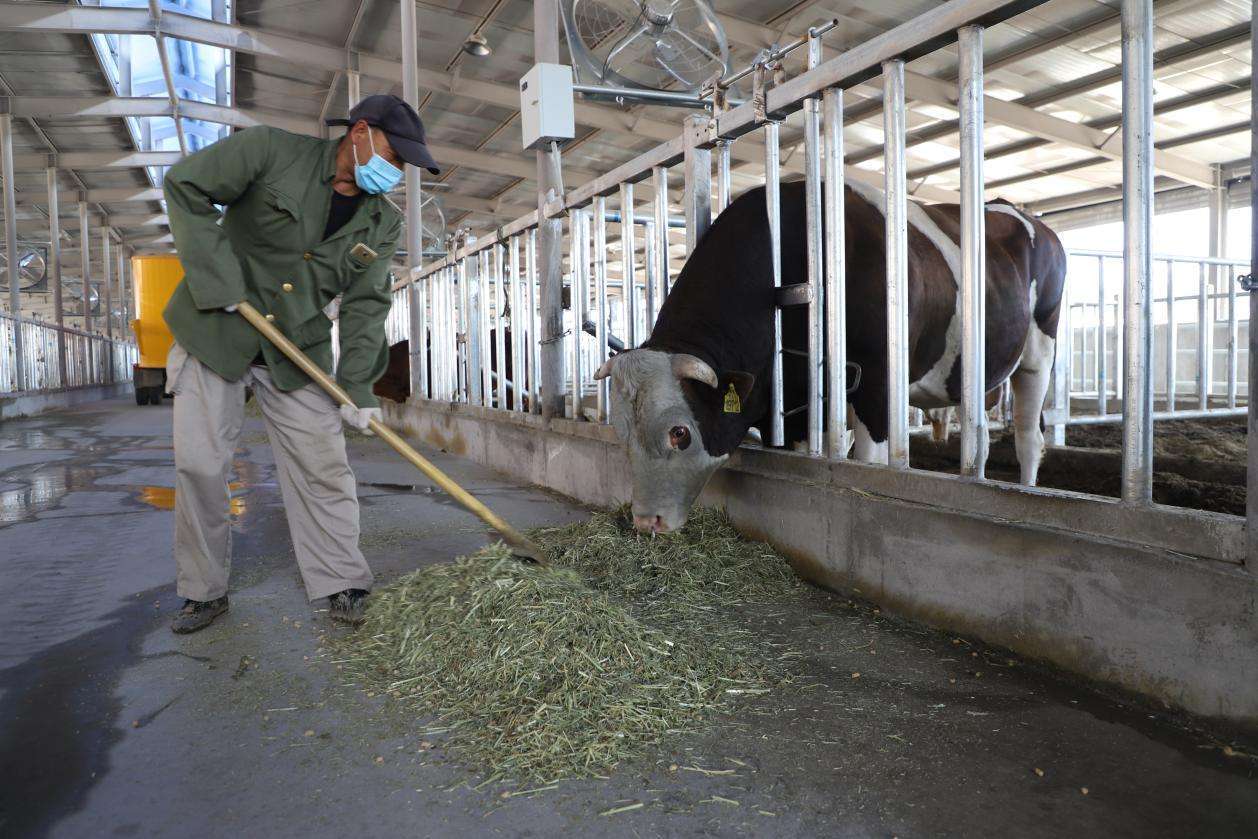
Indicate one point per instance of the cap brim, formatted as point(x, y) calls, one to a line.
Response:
point(413, 152)
point(335, 121)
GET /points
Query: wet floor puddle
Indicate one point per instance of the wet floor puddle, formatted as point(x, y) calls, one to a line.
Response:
point(44, 490)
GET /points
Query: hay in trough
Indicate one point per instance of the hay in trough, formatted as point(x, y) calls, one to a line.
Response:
point(566, 671)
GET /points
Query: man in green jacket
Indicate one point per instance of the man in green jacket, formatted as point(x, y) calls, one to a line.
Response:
point(305, 221)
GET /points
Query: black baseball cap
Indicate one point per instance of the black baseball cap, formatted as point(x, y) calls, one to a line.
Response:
point(400, 124)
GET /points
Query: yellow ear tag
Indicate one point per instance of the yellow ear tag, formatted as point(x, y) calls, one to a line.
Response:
point(732, 405)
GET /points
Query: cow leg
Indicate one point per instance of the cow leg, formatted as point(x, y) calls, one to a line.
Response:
point(1030, 387)
point(864, 448)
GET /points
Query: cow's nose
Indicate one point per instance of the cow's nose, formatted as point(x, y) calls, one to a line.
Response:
point(650, 524)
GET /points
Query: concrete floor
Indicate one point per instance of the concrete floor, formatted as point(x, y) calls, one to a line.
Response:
point(111, 725)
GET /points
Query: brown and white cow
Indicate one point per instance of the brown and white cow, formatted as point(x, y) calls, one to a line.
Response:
point(686, 398)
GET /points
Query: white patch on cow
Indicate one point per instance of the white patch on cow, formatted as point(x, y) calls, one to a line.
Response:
point(864, 448)
point(1030, 386)
point(1012, 211)
point(931, 390)
point(871, 194)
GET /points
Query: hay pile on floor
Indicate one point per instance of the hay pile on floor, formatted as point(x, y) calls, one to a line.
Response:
point(567, 671)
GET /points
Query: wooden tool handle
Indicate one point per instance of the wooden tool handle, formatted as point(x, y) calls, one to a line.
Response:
point(519, 543)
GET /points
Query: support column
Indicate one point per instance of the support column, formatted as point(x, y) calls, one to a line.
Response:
point(414, 216)
point(549, 231)
point(85, 261)
point(124, 308)
point(10, 247)
point(972, 413)
point(1251, 502)
point(1137, 55)
point(54, 274)
point(107, 303)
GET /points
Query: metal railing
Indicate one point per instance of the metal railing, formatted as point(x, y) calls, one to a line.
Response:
point(483, 288)
point(90, 359)
point(1206, 367)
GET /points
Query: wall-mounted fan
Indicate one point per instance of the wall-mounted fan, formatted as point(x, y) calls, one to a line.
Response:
point(74, 291)
point(653, 44)
point(31, 272)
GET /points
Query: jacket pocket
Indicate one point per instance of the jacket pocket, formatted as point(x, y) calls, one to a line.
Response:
point(314, 331)
point(276, 219)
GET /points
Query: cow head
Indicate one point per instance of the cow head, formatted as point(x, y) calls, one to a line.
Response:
point(679, 419)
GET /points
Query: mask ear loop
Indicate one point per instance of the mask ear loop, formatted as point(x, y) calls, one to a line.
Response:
point(354, 147)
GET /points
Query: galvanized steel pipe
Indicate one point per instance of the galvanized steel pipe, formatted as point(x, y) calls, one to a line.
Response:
point(896, 216)
point(813, 239)
point(772, 202)
point(972, 414)
point(1137, 54)
point(836, 276)
point(600, 303)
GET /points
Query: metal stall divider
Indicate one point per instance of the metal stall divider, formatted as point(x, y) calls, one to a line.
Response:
point(438, 377)
point(420, 326)
point(772, 202)
point(1102, 378)
point(576, 304)
point(659, 176)
point(973, 413)
point(896, 215)
point(1233, 336)
point(722, 177)
point(628, 266)
point(517, 329)
point(1205, 326)
point(603, 403)
point(450, 347)
point(534, 343)
point(836, 275)
point(482, 315)
point(814, 247)
point(697, 180)
point(500, 343)
point(469, 273)
point(1171, 338)
point(464, 330)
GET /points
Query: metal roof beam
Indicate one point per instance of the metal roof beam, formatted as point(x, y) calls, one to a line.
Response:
point(1206, 45)
point(97, 159)
point(1107, 144)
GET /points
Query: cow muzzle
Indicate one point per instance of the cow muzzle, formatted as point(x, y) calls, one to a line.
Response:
point(650, 524)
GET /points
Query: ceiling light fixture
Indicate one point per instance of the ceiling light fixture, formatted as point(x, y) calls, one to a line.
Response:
point(476, 45)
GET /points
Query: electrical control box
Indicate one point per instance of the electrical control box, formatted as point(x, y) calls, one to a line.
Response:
point(546, 106)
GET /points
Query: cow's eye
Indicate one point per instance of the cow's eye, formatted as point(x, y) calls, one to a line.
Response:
point(679, 437)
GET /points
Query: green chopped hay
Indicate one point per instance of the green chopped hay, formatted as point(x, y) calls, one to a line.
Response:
point(543, 673)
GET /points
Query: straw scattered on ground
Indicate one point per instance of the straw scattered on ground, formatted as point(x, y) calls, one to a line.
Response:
point(567, 671)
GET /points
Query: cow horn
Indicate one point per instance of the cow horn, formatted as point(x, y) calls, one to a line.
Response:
point(689, 367)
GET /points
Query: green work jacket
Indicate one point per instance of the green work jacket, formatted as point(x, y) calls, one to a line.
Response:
point(267, 247)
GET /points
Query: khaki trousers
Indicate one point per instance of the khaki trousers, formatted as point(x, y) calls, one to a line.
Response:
point(315, 480)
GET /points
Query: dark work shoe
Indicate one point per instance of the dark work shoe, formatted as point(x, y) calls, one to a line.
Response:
point(349, 606)
point(197, 614)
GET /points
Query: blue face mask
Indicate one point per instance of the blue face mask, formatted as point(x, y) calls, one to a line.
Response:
point(377, 175)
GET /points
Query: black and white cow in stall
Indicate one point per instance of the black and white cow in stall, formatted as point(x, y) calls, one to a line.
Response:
point(686, 398)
